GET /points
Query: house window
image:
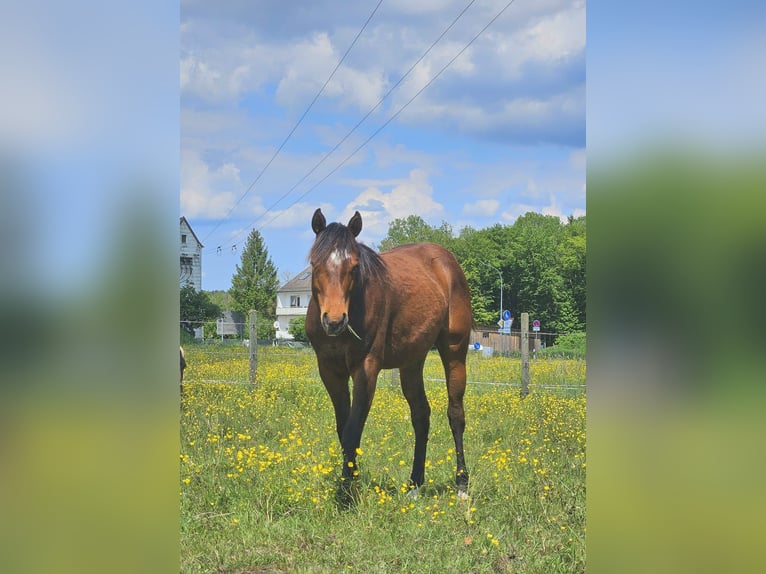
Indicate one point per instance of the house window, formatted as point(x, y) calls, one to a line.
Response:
point(295, 301)
point(183, 238)
point(305, 276)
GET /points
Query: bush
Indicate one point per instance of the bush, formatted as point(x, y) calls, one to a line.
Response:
point(570, 346)
point(297, 329)
point(186, 338)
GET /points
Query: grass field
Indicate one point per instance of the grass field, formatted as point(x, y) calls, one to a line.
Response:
point(259, 468)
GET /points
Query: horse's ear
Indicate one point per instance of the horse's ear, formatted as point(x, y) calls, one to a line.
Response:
point(318, 222)
point(355, 224)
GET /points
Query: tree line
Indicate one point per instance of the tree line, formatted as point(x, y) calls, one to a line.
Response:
point(540, 258)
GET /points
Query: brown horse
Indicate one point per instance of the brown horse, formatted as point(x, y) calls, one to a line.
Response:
point(183, 367)
point(371, 311)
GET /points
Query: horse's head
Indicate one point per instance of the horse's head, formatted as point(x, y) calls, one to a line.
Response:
point(334, 261)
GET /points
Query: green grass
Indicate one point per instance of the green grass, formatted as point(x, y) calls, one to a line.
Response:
point(259, 469)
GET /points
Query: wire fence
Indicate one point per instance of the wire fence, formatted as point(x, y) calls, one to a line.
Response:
point(228, 363)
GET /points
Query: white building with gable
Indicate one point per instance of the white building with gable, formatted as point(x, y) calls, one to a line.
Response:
point(190, 250)
point(292, 301)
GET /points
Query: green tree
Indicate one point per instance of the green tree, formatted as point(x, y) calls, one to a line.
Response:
point(476, 252)
point(254, 284)
point(541, 261)
point(196, 309)
point(572, 263)
point(297, 329)
point(537, 277)
point(414, 229)
point(223, 299)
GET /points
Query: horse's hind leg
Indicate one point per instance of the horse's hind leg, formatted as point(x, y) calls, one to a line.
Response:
point(420, 413)
point(453, 359)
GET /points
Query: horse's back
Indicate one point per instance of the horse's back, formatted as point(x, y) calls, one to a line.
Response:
point(425, 268)
point(431, 288)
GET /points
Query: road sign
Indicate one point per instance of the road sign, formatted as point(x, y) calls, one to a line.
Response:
point(506, 315)
point(477, 346)
point(535, 325)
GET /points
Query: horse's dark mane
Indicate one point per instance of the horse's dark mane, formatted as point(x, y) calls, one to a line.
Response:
point(338, 237)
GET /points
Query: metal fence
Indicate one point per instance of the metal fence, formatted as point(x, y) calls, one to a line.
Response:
point(215, 362)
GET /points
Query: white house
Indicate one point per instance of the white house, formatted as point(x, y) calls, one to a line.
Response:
point(292, 301)
point(190, 250)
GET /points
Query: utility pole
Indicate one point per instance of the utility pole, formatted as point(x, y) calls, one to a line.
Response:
point(524, 354)
point(501, 299)
point(253, 351)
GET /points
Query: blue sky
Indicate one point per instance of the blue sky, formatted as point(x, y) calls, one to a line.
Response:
point(500, 132)
point(679, 73)
point(83, 125)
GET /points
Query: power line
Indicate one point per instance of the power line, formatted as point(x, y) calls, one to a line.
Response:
point(394, 116)
point(295, 127)
point(387, 122)
point(359, 123)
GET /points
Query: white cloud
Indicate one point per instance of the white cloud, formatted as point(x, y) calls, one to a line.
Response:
point(387, 155)
point(309, 64)
point(481, 208)
point(248, 73)
point(207, 193)
point(407, 197)
point(298, 215)
point(557, 36)
point(554, 208)
point(578, 159)
point(516, 210)
point(483, 92)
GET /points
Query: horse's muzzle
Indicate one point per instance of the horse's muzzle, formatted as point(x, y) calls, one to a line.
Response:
point(334, 328)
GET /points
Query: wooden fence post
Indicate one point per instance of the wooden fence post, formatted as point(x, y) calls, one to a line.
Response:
point(524, 354)
point(253, 351)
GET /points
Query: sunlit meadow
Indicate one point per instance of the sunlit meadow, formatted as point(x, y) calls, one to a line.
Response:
point(259, 468)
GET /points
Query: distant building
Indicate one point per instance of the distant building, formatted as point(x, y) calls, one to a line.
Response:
point(190, 255)
point(292, 301)
point(190, 251)
point(230, 323)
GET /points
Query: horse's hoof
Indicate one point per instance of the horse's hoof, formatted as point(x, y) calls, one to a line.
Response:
point(346, 495)
point(414, 493)
point(462, 495)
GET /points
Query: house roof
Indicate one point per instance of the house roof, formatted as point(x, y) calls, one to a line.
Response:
point(301, 282)
point(184, 220)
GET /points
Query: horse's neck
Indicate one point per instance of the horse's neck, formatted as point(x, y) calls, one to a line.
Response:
point(371, 300)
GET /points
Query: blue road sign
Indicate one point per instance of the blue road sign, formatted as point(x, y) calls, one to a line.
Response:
point(506, 315)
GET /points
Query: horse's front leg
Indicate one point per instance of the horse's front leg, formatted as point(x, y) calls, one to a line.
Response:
point(365, 378)
point(335, 380)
